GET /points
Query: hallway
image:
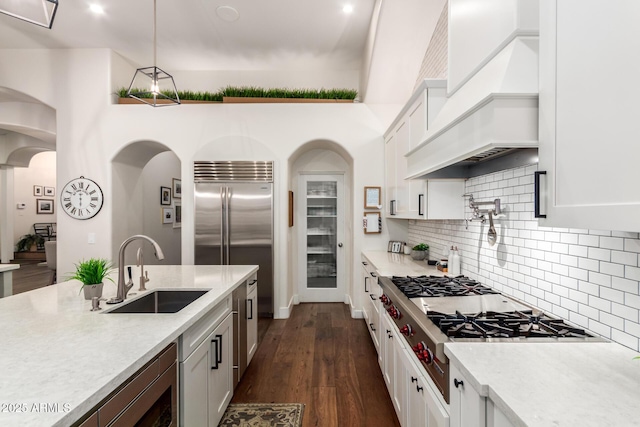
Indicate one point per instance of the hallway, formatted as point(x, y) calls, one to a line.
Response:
point(323, 358)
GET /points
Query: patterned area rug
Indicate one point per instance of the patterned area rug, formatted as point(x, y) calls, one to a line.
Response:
point(263, 415)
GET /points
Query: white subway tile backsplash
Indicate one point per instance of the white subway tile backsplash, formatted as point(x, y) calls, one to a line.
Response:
point(590, 277)
point(599, 279)
point(632, 245)
point(612, 295)
point(628, 258)
point(600, 328)
point(612, 269)
point(625, 312)
point(612, 243)
point(625, 285)
point(588, 240)
point(589, 264)
point(624, 338)
point(632, 273)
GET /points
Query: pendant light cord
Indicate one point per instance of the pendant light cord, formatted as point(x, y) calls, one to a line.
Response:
point(154, 33)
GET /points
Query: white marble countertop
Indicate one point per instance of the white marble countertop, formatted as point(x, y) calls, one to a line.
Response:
point(55, 351)
point(390, 264)
point(8, 267)
point(585, 384)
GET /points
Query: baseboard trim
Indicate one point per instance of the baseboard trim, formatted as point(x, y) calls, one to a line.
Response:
point(285, 312)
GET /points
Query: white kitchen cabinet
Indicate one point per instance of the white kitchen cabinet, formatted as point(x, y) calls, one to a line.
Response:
point(422, 406)
point(390, 198)
point(252, 320)
point(207, 378)
point(387, 351)
point(369, 294)
point(467, 408)
point(588, 114)
point(495, 417)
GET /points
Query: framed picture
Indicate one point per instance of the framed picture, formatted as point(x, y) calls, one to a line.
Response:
point(177, 217)
point(167, 215)
point(372, 223)
point(37, 190)
point(49, 191)
point(177, 188)
point(44, 206)
point(372, 198)
point(165, 196)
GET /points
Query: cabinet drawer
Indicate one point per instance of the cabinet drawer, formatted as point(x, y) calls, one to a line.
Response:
point(203, 327)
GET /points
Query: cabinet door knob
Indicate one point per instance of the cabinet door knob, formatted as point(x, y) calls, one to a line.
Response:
point(339, 245)
point(458, 383)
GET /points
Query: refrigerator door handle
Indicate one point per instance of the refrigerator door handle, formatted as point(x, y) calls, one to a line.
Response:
point(227, 229)
point(222, 229)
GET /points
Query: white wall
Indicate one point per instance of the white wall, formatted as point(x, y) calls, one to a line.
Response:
point(92, 132)
point(42, 172)
point(589, 277)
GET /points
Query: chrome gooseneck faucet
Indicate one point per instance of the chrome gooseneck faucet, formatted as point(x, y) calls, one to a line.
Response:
point(123, 288)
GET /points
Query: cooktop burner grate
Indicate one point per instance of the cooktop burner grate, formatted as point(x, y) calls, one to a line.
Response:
point(504, 325)
point(437, 286)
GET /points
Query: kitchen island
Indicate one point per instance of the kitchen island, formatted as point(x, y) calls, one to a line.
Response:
point(59, 359)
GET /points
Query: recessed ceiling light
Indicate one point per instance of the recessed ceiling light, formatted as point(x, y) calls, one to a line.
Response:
point(227, 13)
point(96, 8)
point(347, 8)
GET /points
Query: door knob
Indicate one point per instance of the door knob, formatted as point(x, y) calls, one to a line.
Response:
point(339, 245)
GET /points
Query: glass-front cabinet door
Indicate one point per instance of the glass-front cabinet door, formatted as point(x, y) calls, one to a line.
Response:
point(321, 229)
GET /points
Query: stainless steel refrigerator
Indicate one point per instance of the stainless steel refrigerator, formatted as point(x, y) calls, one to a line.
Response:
point(234, 219)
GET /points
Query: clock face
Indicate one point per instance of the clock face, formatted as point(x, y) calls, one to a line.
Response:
point(81, 198)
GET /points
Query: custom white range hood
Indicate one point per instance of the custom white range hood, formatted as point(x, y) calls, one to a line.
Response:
point(493, 112)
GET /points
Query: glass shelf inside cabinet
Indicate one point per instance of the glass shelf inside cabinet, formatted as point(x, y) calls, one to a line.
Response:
point(321, 234)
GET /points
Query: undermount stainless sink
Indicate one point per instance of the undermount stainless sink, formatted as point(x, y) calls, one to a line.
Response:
point(160, 301)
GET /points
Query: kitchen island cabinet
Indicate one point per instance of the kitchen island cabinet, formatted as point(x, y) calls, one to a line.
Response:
point(86, 355)
point(587, 135)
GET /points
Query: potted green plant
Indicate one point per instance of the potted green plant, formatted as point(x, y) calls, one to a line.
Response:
point(92, 273)
point(28, 242)
point(419, 251)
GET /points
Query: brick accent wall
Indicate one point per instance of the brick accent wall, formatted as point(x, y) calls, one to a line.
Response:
point(589, 277)
point(434, 65)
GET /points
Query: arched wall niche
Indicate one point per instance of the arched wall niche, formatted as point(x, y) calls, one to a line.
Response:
point(139, 171)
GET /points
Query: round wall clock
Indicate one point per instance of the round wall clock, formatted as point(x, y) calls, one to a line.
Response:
point(81, 198)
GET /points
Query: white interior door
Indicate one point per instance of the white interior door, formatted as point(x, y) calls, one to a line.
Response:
point(321, 238)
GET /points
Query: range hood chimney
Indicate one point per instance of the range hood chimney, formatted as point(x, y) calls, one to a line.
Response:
point(487, 120)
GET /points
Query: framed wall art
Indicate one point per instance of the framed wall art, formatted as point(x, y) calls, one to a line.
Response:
point(165, 196)
point(44, 206)
point(177, 214)
point(372, 198)
point(37, 190)
point(49, 191)
point(177, 188)
point(167, 215)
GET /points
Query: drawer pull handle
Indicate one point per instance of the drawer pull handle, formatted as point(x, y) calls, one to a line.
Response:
point(372, 328)
point(536, 190)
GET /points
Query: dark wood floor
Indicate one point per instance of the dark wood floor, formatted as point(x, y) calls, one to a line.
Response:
point(29, 276)
point(323, 358)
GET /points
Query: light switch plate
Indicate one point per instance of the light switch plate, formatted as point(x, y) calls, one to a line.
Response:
point(91, 239)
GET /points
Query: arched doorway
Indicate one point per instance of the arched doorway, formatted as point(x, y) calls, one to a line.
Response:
point(145, 175)
point(321, 243)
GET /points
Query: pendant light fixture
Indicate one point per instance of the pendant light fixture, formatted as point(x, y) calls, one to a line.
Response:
point(159, 87)
point(39, 12)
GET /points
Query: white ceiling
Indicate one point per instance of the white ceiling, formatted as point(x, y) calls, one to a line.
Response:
point(269, 34)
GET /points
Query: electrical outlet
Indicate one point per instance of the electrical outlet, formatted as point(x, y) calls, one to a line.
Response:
point(92, 238)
